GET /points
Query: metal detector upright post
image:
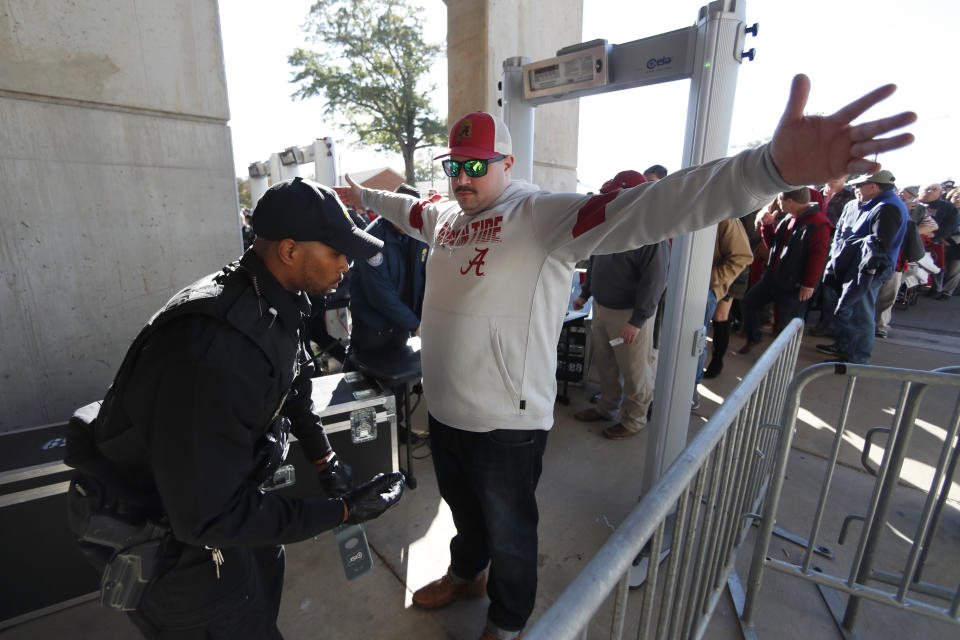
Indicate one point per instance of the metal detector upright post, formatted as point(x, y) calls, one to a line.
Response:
point(709, 53)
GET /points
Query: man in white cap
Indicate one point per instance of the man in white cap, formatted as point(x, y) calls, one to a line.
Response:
point(498, 284)
point(863, 256)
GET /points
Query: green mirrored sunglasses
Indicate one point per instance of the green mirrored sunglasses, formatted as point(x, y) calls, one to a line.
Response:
point(475, 168)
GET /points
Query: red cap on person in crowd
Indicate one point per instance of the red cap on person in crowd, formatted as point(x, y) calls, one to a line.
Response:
point(622, 180)
point(479, 135)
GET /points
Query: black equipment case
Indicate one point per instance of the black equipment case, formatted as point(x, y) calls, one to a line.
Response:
point(360, 419)
point(41, 567)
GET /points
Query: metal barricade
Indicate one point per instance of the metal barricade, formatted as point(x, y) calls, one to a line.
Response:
point(862, 580)
point(709, 495)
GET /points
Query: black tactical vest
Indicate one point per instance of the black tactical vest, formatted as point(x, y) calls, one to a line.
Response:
point(231, 296)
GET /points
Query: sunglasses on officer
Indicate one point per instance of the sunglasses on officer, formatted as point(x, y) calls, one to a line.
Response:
point(475, 168)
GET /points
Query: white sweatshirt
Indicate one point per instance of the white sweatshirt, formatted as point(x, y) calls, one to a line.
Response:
point(498, 281)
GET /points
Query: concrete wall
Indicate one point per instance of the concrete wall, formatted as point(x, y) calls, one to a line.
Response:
point(117, 185)
point(481, 34)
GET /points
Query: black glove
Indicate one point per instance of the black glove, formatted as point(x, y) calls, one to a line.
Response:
point(335, 477)
point(373, 497)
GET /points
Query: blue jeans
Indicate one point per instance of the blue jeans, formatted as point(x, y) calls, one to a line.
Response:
point(763, 293)
point(828, 306)
point(855, 326)
point(711, 308)
point(489, 481)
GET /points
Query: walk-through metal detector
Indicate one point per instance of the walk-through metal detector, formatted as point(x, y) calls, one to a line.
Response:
point(709, 53)
point(286, 164)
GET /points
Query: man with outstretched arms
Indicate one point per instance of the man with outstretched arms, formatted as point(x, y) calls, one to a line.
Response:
point(498, 284)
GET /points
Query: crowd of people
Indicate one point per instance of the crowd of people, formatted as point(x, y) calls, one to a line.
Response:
point(843, 250)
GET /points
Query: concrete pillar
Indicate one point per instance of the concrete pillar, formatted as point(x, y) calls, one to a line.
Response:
point(481, 34)
point(116, 171)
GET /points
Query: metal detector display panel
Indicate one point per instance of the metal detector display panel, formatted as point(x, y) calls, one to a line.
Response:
point(580, 69)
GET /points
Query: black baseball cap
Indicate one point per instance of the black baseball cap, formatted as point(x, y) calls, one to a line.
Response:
point(306, 211)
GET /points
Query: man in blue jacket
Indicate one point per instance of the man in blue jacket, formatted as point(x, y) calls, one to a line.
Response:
point(386, 295)
point(861, 260)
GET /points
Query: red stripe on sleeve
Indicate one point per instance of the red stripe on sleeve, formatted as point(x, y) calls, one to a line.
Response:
point(592, 213)
point(416, 211)
point(416, 216)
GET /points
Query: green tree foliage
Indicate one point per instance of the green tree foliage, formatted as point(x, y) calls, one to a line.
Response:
point(372, 62)
point(243, 193)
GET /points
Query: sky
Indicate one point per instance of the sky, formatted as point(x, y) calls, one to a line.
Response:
point(847, 48)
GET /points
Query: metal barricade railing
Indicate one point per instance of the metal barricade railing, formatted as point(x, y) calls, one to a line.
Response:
point(710, 495)
point(907, 584)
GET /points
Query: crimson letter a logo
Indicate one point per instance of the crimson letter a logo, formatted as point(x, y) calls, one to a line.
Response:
point(477, 262)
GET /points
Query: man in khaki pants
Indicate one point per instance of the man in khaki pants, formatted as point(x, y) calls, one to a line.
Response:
point(626, 288)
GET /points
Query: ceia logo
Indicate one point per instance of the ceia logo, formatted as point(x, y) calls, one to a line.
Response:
point(653, 63)
point(357, 556)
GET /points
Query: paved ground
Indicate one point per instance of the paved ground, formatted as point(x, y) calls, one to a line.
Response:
point(589, 484)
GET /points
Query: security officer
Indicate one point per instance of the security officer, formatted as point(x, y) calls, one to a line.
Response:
point(168, 495)
point(386, 298)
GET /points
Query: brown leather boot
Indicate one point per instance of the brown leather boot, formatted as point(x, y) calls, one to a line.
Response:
point(442, 592)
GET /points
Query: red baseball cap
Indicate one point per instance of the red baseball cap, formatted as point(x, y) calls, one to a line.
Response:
point(479, 135)
point(622, 180)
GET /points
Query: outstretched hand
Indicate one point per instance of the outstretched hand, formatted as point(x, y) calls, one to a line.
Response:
point(356, 191)
point(815, 149)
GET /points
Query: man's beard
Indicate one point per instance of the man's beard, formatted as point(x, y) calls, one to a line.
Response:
point(319, 292)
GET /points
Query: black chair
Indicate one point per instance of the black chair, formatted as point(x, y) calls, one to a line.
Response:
point(399, 371)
